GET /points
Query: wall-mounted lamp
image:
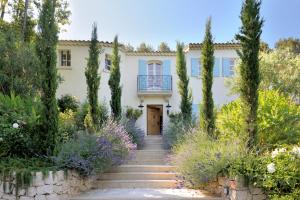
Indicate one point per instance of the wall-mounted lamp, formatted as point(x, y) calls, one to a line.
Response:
point(141, 106)
point(168, 108)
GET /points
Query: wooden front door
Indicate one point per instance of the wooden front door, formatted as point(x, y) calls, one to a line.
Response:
point(154, 119)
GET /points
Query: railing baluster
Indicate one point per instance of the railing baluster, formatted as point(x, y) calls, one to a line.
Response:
point(154, 83)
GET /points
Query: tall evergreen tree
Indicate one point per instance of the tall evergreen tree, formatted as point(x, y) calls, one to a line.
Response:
point(207, 120)
point(183, 84)
point(92, 77)
point(114, 82)
point(46, 52)
point(249, 38)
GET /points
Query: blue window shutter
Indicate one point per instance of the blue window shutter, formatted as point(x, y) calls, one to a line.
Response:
point(167, 67)
point(226, 67)
point(142, 80)
point(217, 67)
point(142, 67)
point(195, 67)
point(167, 72)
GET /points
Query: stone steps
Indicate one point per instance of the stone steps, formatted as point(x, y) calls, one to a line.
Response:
point(147, 176)
point(139, 176)
point(144, 168)
point(149, 146)
point(137, 184)
point(147, 162)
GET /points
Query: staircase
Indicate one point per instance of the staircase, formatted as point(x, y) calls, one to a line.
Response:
point(147, 169)
point(148, 175)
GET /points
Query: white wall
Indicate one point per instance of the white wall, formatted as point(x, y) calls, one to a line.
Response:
point(75, 82)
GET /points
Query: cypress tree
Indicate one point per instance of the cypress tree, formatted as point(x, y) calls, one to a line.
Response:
point(93, 78)
point(46, 52)
point(249, 38)
point(207, 120)
point(114, 82)
point(183, 84)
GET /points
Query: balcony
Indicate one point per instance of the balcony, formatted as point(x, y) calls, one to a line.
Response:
point(154, 85)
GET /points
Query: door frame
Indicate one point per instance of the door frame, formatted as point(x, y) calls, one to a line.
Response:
point(162, 111)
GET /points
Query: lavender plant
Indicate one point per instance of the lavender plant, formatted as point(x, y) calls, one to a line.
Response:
point(88, 154)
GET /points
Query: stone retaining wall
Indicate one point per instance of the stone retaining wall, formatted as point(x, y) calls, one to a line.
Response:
point(234, 189)
point(53, 186)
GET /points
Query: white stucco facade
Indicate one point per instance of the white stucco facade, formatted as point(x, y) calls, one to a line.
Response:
point(74, 82)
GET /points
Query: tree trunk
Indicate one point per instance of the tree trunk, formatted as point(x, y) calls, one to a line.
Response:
point(3, 6)
point(25, 19)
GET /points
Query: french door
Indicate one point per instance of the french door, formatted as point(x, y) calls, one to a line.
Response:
point(155, 72)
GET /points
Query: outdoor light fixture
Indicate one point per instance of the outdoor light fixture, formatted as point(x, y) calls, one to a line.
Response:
point(141, 106)
point(168, 108)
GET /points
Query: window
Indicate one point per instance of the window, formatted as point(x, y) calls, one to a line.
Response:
point(195, 67)
point(228, 66)
point(65, 58)
point(231, 66)
point(107, 62)
point(155, 72)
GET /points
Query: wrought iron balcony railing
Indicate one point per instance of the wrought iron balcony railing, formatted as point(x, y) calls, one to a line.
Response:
point(154, 83)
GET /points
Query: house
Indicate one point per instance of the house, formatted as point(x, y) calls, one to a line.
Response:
point(149, 80)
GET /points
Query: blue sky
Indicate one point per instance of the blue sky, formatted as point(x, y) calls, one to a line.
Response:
point(153, 21)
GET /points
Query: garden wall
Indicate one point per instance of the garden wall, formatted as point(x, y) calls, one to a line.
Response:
point(58, 185)
point(234, 189)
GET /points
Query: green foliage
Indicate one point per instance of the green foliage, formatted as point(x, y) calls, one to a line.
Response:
point(278, 120)
point(292, 44)
point(19, 122)
point(144, 48)
point(176, 129)
point(128, 48)
point(84, 120)
point(85, 153)
point(66, 126)
point(278, 172)
point(200, 159)
point(136, 134)
point(15, 10)
point(207, 118)
point(133, 113)
point(46, 51)
point(18, 65)
point(18, 17)
point(164, 47)
point(183, 84)
point(67, 102)
point(93, 78)
point(249, 38)
point(114, 82)
point(279, 70)
point(23, 169)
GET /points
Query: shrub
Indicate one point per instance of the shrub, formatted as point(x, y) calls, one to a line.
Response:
point(66, 125)
point(137, 135)
point(278, 120)
point(22, 169)
point(120, 139)
point(201, 159)
point(132, 113)
point(19, 125)
point(86, 154)
point(277, 172)
point(176, 129)
point(83, 117)
point(67, 102)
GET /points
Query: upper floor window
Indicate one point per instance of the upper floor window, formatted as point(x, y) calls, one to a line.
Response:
point(65, 58)
point(107, 62)
point(231, 66)
point(228, 67)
